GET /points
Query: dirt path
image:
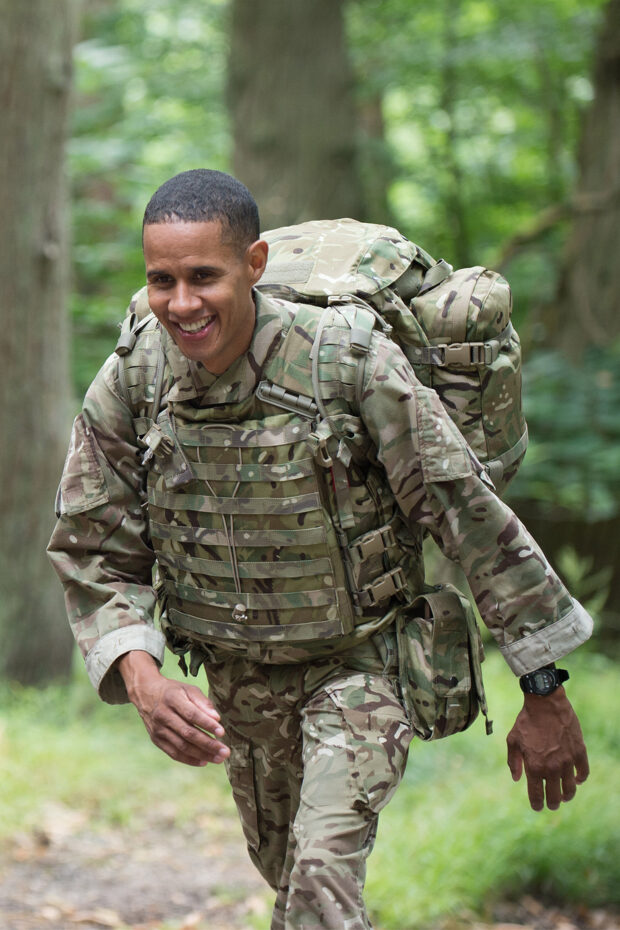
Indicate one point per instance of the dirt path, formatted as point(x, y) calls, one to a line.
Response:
point(67, 876)
point(162, 876)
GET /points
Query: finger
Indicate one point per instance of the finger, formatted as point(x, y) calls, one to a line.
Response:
point(515, 762)
point(196, 709)
point(179, 752)
point(582, 765)
point(196, 741)
point(201, 700)
point(569, 785)
point(200, 724)
point(170, 729)
point(535, 792)
point(185, 740)
point(553, 792)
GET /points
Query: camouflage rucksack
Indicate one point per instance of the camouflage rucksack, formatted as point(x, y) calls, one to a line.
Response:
point(453, 326)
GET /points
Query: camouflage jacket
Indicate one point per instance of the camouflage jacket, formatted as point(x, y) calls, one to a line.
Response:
point(101, 545)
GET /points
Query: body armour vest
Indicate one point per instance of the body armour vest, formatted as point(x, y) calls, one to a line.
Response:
point(273, 536)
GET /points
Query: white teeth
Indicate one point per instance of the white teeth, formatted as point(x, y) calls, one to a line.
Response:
point(194, 327)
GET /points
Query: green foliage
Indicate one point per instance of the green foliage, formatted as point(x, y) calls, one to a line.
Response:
point(573, 462)
point(482, 111)
point(591, 586)
point(149, 102)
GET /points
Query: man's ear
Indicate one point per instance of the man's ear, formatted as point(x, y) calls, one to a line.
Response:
point(256, 256)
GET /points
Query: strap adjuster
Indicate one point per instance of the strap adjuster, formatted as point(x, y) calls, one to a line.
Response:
point(382, 588)
point(466, 354)
point(374, 543)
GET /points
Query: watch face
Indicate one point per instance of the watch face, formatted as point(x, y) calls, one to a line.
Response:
point(543, 680)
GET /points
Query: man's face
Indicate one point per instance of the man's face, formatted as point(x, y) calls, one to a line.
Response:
point(200, 289)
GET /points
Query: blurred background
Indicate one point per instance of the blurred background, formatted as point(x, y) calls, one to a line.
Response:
point(487, 132)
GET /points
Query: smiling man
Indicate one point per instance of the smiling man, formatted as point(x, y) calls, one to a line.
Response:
point(216, 505)
point(200, 276)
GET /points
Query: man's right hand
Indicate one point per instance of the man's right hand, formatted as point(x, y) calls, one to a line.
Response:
point(180, 719)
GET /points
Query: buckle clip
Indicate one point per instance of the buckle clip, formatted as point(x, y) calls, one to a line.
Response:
point(384, 587)
point(466, 354)
point(374, 543)
point(323, 457)
point(153, 439)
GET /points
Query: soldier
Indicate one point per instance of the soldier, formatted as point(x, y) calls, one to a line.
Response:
point(220, 490)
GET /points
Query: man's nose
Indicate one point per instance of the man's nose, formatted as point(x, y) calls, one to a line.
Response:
point(184, 299)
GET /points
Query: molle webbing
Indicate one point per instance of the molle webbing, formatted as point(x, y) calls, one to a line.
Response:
point(265, 534)
point(245, 548)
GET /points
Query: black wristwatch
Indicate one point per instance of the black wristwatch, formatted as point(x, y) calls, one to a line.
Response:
point(543, 681)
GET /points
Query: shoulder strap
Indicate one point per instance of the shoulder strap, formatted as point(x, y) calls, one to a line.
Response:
point(132, 325)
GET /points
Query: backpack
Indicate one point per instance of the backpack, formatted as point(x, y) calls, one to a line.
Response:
point(454, 327)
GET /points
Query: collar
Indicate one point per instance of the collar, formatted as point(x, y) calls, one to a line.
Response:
point(192, 381)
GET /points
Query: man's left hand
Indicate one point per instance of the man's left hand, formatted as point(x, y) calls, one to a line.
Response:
point(547, 740)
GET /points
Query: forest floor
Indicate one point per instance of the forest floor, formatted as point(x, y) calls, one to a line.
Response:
point(163, 876)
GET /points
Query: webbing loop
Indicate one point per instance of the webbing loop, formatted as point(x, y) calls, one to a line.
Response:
point(497, 467)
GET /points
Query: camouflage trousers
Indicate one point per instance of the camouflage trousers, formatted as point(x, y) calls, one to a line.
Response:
point(317, 751)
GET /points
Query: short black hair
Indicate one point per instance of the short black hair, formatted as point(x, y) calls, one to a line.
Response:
point(203, 195)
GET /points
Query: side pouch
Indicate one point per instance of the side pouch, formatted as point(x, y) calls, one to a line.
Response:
point(440, 654)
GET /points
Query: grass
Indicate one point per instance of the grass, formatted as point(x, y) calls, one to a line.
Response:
point(63, 746)
point(458, 834)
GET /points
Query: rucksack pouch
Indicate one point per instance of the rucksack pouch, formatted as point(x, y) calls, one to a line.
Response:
point(440, 654)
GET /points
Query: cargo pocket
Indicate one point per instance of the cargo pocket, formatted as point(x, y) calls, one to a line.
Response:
point(83, 484)
point(240, 768)
point(372, 721)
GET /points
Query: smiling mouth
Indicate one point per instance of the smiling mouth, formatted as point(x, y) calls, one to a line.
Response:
point(192, 328)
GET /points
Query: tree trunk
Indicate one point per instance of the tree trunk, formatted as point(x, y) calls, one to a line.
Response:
point(292, 109)
point(377, 168)
point(35, 76)
point(587, 311)
point(454, 195)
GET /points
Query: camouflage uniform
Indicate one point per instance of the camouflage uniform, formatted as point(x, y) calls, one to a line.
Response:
point(316, 728)
point(317, 749)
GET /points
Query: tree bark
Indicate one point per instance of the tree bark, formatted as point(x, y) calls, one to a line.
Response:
point(35, 76)
point(587, 300)
point(292, 109)
point(377, 168)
